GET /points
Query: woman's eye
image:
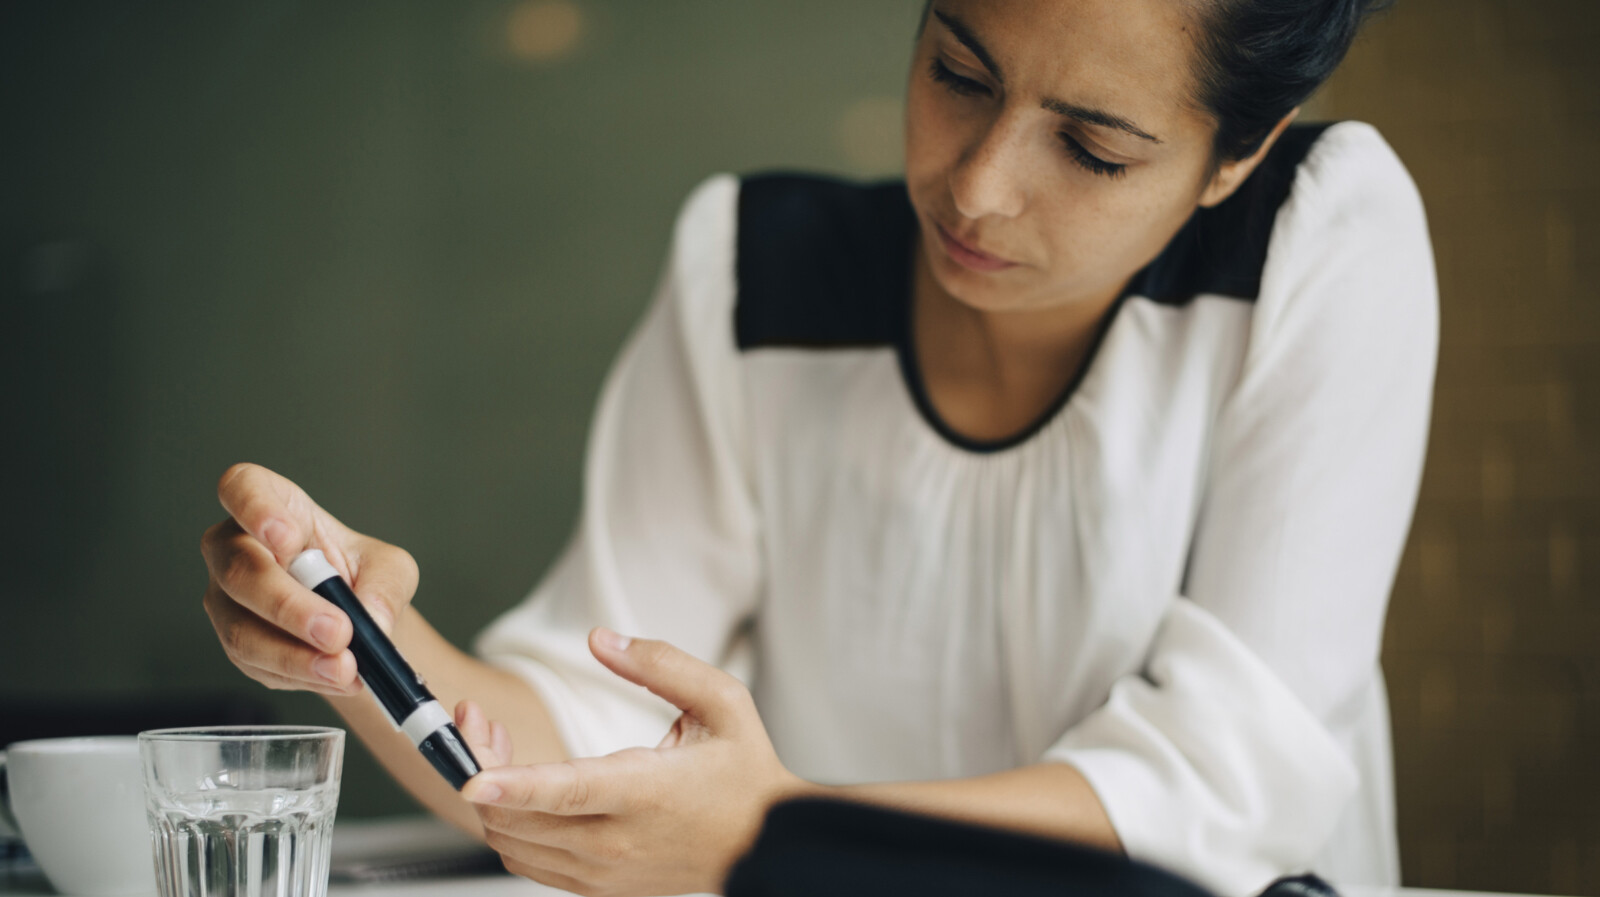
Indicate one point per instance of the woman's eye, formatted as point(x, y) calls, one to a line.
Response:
point(965, 86)
point(956, 83)
point(1090, 161)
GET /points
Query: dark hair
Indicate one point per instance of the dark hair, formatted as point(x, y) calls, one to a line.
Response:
point(1258, 59)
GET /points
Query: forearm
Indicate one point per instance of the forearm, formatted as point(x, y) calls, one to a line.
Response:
point(452, 675)
point(1049, 799)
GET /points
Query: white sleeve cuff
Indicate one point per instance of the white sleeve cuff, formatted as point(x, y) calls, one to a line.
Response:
point(1208, 765)
point(591, 719)
point(594, 710)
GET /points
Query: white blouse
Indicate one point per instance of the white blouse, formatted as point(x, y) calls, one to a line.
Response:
point(1175, 581)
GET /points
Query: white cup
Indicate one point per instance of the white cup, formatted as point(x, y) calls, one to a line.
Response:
point(79, 804)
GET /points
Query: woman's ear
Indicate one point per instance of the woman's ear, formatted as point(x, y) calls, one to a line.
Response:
point(1230, 175)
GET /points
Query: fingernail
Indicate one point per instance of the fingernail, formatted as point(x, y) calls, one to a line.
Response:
point(275, 534)
point(612, 640)
point(324, 629)
point(327, 668)
point(487, 793)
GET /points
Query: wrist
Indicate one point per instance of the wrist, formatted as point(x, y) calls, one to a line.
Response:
point(795, 788)
point(784, 786)
point(406, 623)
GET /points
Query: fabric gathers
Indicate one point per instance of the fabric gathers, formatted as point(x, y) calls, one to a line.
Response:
point(1176, 580)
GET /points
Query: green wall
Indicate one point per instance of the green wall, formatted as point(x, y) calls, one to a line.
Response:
point(369, 245)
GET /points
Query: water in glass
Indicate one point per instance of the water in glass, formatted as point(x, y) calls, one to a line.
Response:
point(241, 818)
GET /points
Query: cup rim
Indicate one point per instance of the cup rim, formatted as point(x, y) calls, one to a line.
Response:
point(242, 733)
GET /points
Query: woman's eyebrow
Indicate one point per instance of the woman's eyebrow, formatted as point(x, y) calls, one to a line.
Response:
point(1085, 114)
point(1096, 117)
point(970, 41)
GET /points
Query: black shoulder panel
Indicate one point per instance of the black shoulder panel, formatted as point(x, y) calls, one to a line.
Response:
point(827, 263)
point(821, 262)
point(1222, 250)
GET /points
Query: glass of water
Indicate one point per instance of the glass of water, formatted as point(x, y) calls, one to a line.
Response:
point(242, 811)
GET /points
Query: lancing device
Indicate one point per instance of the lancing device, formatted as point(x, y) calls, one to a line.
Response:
point(411, 708)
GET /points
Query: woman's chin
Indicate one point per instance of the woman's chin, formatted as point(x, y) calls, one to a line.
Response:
point(987, 291)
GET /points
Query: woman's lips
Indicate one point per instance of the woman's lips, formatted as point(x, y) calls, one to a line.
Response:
point(968, 256)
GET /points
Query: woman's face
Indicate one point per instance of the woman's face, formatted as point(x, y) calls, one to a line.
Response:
point(1051, 146)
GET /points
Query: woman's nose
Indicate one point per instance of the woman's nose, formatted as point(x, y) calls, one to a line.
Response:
point(985, 180)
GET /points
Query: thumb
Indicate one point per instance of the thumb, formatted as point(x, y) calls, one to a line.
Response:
point(383, 576)
point(716, 699)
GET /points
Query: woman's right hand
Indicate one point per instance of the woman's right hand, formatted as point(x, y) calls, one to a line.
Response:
point(278, 632)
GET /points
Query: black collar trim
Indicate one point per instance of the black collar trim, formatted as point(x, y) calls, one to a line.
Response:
point(824, 263)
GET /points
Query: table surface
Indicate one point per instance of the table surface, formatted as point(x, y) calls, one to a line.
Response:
point(374, 842)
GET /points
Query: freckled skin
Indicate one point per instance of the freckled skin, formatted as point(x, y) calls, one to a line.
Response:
point(1080, 206)
point(994, 169)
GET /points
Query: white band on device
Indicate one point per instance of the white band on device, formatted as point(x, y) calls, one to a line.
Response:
point(424, 721)
point(311, 568)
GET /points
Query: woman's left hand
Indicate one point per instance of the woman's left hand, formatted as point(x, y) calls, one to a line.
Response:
point(667, 820)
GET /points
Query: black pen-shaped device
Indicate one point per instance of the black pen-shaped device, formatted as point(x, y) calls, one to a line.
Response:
point(398, 689)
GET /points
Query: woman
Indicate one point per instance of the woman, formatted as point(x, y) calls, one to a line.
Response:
point(1060, 488)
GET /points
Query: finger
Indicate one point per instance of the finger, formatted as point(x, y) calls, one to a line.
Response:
point(340, 683)
point(500, 741)
point(712, 696)
point(544, 876)
point(588, 786)
point(476, 732)
point(466, 719)
point(283, 683)
point(246, 638)
point(534, 854)
point(280, 516)
point(550, 829)
point(269, 507)
point(250, 576)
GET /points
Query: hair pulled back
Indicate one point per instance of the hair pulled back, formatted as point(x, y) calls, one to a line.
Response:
point(1258, 59)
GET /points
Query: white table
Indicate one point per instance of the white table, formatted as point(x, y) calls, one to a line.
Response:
point(355, 844)
point(368, 840)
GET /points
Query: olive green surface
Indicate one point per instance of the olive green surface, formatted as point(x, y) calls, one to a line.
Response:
point(372, 245)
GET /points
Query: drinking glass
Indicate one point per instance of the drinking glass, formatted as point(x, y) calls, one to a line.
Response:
point(242, 811)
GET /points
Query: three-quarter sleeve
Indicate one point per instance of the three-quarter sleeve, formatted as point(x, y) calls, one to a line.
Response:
point(667, 546)
point(1219, 758)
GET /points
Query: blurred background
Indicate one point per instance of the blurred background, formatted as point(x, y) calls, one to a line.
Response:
point(389, 249)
